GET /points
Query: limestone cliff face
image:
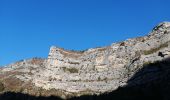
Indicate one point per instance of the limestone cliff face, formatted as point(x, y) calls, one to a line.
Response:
point(94, 71)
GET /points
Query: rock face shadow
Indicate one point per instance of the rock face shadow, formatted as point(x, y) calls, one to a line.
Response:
point(152, 82)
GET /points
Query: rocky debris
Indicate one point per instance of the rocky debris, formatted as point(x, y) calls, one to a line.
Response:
point(94, 71)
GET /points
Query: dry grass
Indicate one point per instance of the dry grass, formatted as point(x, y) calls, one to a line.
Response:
point(1, 87)
point(12, 84)
point(37, 61)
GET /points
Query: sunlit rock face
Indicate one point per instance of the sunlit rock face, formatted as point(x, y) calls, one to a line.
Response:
point(94, 71)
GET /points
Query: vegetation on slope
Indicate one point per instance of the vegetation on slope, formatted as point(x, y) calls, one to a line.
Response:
point(153, 50)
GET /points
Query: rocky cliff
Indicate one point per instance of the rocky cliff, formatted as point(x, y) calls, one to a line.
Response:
point(95, 71)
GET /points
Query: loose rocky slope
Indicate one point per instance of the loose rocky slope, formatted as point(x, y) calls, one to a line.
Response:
point(95, 71)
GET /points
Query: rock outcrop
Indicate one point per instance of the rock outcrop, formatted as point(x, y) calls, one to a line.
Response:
point(95, 71)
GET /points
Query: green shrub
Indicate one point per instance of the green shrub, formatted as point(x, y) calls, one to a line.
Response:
point(146, 63)
point(71, 70)
point(153, 50)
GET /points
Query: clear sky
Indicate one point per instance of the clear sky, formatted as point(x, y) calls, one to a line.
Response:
point(29, 27)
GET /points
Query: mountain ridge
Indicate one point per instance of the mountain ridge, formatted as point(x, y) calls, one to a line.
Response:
point(92, 72)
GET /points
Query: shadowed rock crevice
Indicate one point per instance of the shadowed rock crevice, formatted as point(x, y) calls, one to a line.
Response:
point(152, 82)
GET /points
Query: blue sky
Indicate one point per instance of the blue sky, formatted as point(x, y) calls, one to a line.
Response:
point(29, 27)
